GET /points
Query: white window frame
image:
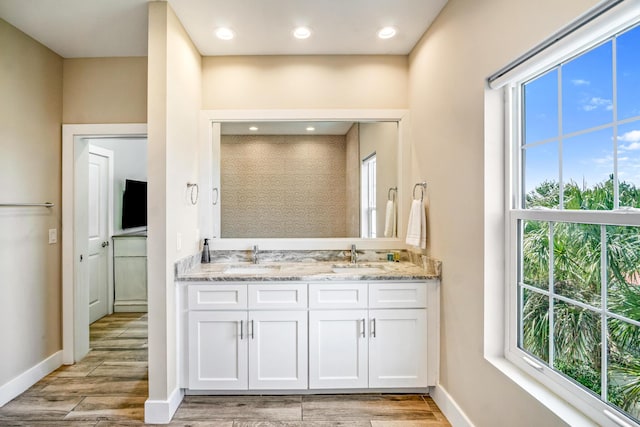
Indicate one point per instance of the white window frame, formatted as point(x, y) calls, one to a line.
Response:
point(368, 191)
point(591, 35)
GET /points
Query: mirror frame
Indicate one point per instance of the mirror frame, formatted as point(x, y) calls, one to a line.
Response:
point(209, 136)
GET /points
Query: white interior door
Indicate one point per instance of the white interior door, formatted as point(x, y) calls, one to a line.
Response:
point(98, 221)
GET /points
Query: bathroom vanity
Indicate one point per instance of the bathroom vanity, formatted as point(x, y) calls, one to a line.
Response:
point(308, 327)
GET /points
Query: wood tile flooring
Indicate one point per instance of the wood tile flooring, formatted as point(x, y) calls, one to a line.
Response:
point(108, 388)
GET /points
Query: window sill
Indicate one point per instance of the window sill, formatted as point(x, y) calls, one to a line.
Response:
point(560, 407)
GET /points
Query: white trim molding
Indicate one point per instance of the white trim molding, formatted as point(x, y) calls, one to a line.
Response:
point(449, 407)
point(161, 411)
point(22, 382)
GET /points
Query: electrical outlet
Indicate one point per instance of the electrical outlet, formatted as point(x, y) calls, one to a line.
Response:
point(179, 241)
point(53, 236)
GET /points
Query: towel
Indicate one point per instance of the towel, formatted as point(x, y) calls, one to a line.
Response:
point(390, 220)
point(417, 225)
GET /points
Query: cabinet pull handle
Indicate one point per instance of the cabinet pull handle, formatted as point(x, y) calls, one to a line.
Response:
point(217, 194)
point(363, 325)
point(373, 327)
point(252, 330)
point(242, 329)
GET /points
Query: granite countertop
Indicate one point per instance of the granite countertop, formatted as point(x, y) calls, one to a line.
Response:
point(309, 271)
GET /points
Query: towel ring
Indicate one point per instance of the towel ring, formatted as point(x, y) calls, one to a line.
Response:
point(195, 192)
point(423, 188)
point(392, 193)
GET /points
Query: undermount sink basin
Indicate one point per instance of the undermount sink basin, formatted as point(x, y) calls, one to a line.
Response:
point(251, 269)
point(356, 269)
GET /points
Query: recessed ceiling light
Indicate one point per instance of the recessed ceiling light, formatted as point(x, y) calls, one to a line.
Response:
point(224, 33)
point(302, 33)
point(310, 128)
point(386, 32)
point(253, 128)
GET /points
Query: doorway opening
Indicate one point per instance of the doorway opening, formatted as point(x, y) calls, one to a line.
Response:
point(91, 218)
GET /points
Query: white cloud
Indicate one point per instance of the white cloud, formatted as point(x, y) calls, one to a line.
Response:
point(631, 136)
point(633, 139)
point(597, 102)
point(606, 160)
point(580, 82)
point(630, 147)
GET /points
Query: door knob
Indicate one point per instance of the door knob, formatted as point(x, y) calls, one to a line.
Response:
point(105, 244)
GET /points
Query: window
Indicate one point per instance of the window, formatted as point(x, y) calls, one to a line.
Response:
point(369, 196)
point(574, 228)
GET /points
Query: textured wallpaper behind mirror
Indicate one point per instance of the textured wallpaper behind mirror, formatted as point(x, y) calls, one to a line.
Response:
point(296, 186)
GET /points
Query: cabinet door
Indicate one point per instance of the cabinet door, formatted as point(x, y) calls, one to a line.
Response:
point(130, 279)
point(337, 349)
point(218, 350)
point(398, 348)
point(277, 350)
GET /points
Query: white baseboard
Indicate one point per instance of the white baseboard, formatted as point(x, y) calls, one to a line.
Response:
point(161, 411)
point(22, 382)
point(449, 407)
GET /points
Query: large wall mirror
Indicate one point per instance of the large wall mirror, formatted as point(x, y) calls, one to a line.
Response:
point(306, 179)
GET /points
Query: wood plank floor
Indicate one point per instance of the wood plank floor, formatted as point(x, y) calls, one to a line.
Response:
point(108, 388)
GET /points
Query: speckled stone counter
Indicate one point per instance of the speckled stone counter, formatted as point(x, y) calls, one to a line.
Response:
point(309, 271)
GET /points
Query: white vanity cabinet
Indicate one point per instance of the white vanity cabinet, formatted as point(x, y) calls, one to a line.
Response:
point(244, 337)
point(360, 347)
point(319, 336)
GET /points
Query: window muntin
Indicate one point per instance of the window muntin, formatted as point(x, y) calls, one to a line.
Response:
point(578, 269)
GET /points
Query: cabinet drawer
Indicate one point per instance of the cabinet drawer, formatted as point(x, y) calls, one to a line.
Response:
point(130, 246)
point(217, 297)
point(338, 295)
point(397, 295)
point(278, 296)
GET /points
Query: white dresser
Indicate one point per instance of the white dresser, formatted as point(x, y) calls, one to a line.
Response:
point(130, 272)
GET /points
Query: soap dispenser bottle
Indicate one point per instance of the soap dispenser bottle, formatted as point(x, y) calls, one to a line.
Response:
point(206, 257)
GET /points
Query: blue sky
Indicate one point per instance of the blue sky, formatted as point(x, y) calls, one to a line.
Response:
point(587, 101)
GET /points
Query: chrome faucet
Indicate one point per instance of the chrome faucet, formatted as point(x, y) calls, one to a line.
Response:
point(255, 254)
point(354, 255)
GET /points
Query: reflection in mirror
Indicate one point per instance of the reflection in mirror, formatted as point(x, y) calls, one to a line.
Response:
point(304, 179)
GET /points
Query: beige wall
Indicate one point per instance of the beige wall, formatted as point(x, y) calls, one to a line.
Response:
point(30, 162)
point(174, 105)
point(105, 90)
point(448, 68)
point(262, 82)
point(283, 186)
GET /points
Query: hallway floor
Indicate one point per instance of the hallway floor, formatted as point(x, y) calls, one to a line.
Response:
point(108, 388)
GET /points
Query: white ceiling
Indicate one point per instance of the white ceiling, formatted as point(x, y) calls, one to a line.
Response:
point(285, 128)
point(102, 28)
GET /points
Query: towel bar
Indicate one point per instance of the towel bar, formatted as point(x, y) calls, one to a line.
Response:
point(45, 204)
point(423, 188)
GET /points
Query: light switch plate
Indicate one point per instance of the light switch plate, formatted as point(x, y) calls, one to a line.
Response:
point(53, 236)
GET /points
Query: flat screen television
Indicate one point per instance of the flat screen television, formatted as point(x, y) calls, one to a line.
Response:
point(134, 204)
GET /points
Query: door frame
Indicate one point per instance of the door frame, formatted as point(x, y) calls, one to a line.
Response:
point(75, 315)
point(99, 151)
